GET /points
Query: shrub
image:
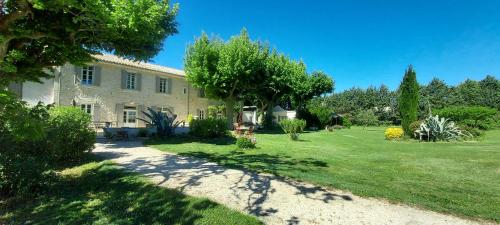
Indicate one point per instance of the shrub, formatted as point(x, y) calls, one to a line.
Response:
point(69, 133)
point(473, 116)
point(143, 132)
point(392, 133)
point(215, 111)
point(34, 140)
point(439, 129)
point(189, 118)
point(311, 119)
point(293, 127)
point(366, 118)
point(475, 132)
point(245, 143)
point(346, 122)
point(24, 155)
point(208, 128)
point(414, 127)
point(322, 112)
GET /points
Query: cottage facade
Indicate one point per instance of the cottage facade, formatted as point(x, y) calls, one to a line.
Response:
point(115, 91)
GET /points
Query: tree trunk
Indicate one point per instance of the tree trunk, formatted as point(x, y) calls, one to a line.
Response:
point(268, 120)
point(229, 112)
point(298, 109)
point(4, 45)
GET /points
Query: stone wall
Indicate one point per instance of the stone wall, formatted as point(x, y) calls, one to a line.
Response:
point(108, 98)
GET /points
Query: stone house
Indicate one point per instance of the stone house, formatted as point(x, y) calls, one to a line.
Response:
point(115, 91)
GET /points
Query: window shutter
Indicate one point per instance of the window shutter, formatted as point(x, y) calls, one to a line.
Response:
point(119, 115)
point(78, 74)
point(96, 113)
point(124, 79)
point(97, 76)
point(157, 84)
point(169, 85)
point(140, 114)
point(138, 77)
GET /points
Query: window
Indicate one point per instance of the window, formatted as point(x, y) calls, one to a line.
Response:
point(185, 90)
point(86, 108)
point(131, 81)
point(87, 75)
point(163, 85)
point(129, 116)
point(201, 114)
point(201, 93)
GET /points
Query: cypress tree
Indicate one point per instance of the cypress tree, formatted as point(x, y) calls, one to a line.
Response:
point(408, 99)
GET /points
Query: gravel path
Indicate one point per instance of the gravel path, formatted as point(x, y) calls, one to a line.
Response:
point(273, 200)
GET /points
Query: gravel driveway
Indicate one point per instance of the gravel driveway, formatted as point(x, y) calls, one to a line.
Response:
point(272, 199)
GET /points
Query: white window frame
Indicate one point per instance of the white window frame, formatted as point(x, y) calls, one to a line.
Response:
point(201, 114)
point(163, 85)
point(126, 117)
point(131, 81)
point(88, 74)
point(88, 108)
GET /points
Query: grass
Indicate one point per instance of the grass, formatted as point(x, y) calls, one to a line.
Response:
point(461, 178)
point(101, 193)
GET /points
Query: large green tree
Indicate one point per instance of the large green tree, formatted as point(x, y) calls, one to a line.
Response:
point(39, 34)
point(408, 99)
point(226, 70)
point(306, 87)
point(490, 92)
point(468, 93)
point(435, 95)
point(278, 79)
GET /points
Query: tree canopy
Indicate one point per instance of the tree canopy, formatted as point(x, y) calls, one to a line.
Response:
point(280, 75)
point(226, 70)
point(245, 70)
point(39, 34)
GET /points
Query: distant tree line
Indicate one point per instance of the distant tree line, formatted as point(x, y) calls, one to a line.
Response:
point(383, 103)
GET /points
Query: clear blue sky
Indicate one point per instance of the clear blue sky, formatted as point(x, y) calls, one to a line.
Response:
point(359, 43)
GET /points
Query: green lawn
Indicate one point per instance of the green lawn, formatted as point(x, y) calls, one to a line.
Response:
point(458, 178)
point(100, 193)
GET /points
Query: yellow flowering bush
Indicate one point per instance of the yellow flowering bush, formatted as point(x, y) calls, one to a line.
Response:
point(393, 133)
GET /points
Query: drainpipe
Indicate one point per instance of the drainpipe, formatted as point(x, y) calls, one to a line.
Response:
point(188, 98)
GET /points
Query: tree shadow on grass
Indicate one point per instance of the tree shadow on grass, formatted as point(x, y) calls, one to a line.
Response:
point(188, 170)
point(107, 195)
point(183, 139)
point(259, 185)
point(262, 162)
point(270, 131)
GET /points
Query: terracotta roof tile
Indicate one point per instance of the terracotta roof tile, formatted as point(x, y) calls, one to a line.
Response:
point(142, 65)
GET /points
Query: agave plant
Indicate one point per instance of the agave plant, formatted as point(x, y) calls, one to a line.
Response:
point(439, 129)
point(163, 121)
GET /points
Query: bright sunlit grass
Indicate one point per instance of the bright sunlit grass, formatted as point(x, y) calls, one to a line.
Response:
point(461, 178)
